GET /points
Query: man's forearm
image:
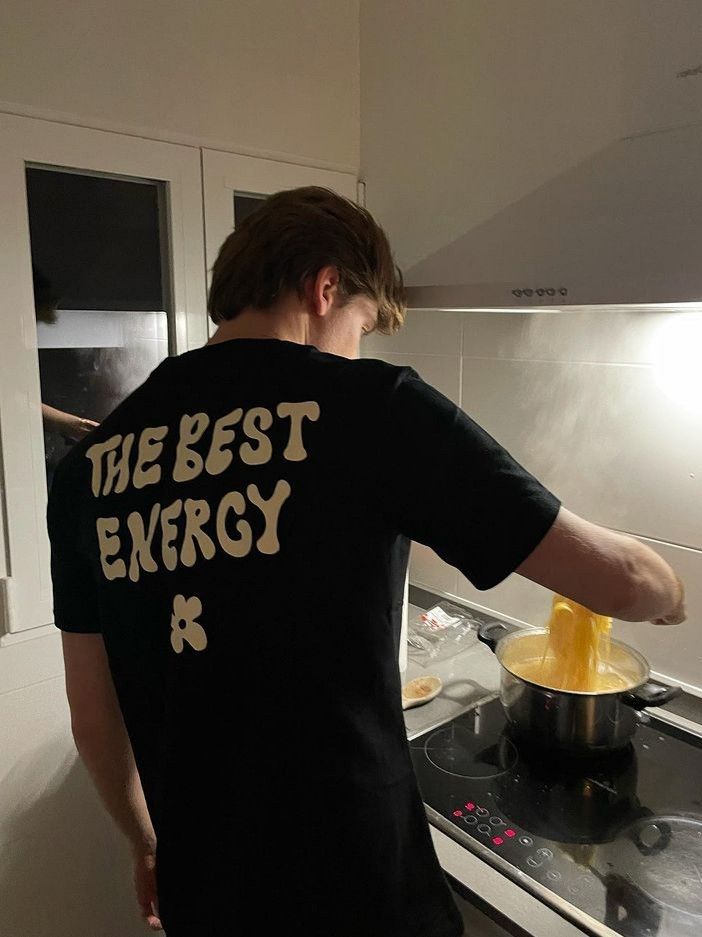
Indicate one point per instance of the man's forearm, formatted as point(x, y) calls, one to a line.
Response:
point(611, 573)
point(54, 419)
point(107, 753)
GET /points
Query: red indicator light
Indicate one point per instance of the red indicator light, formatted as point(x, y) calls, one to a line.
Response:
point(470, 806)
point(458, 813)
point(510, 833)
point(497, 840)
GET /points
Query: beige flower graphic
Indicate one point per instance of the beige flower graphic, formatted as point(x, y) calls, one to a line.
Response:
point(183, 625)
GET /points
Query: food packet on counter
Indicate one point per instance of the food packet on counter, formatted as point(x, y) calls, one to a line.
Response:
point(441, 632)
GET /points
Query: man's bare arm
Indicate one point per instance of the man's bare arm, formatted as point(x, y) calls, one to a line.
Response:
point(103, 744)
point(67, 424)
point(101, 737)
point(610, 573)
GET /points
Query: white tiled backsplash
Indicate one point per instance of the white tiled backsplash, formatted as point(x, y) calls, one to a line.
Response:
point(581, 400)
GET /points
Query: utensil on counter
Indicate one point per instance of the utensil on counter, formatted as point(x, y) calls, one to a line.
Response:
point(420, 690)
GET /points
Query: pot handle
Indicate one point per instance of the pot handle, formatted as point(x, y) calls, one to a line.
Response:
point(650, 694)
point(491, 632)
point(659, 843)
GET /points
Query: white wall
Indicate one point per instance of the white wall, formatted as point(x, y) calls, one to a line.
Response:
point(479, 105)
point(269, 75)
point(589, 405)
point(468, 107)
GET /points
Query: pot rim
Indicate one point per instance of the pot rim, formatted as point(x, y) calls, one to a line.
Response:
point(508, 639)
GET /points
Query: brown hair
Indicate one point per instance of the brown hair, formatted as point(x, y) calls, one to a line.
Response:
point(289, 239)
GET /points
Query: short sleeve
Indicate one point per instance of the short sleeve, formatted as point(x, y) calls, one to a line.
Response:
point(449, 485)
point(75, 600)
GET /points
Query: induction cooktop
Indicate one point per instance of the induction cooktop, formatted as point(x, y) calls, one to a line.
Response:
point(614, 844)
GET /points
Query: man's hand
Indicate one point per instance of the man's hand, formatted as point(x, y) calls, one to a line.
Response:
point(145, 884)
point(66, 424)
point(76, 427)
point(678, 614)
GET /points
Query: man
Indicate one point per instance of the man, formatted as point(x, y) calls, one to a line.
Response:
point(229, 550)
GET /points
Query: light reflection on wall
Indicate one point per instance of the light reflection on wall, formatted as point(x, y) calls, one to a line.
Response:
point(677, 356)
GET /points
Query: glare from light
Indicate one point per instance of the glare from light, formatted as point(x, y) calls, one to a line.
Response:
point(678, 360)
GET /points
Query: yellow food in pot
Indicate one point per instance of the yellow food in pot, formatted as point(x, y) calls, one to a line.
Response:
point(576, 655)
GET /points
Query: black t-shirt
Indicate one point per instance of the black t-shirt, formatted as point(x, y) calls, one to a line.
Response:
point(238, 532)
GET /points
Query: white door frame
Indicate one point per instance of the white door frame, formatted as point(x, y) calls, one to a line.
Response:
point(25, 582)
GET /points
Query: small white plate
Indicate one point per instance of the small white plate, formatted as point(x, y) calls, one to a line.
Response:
point(420, 690)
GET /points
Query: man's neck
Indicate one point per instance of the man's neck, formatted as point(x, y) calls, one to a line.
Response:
point(286, 324)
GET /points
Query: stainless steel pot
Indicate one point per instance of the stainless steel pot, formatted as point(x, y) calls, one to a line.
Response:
point(576, 722)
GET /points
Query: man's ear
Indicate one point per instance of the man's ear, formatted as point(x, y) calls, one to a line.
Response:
point(322, 291)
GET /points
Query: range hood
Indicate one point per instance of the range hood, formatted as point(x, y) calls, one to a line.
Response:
point(623, 228)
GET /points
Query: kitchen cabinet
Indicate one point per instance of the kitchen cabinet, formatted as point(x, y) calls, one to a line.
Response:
point(478, 924)
point(45, 170)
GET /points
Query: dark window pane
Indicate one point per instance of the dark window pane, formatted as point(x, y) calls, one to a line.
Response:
point(89, 383)
point(102, 314)
point(245, 205)
point(96, 240)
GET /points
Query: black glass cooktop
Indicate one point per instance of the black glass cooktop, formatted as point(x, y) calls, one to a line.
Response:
point(612, 843)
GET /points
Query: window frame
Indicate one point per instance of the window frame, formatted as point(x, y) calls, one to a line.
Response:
point(25, 580)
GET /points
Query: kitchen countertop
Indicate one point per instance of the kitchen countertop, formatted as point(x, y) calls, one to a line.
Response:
point(467, 678)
